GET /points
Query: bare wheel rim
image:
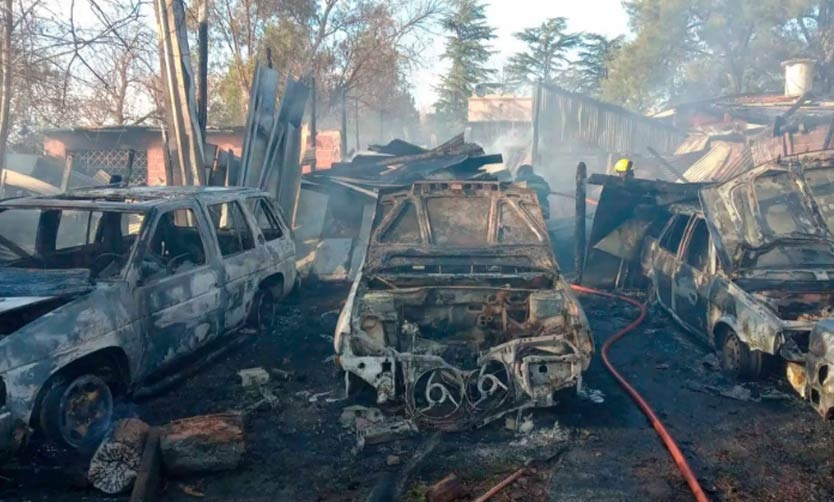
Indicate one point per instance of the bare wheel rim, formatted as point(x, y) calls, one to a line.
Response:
point(267, 310)
point(732, 353)
point(86, 409)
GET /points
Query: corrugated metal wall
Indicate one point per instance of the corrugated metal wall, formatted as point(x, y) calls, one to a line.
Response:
point(570, 121)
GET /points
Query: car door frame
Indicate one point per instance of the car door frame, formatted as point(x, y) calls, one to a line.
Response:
point(162, 350)
point(664, 264)
point(239, 289)
point(282, 249)
point(688, 280)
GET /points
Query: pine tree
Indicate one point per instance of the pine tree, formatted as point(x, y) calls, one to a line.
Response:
point(467, 49)
point(548, 47)
point(590, 70)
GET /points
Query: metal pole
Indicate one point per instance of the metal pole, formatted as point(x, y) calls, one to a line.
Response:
point(536, 113)
point(202, 62)
point(314, 132)
point(344, 124)
point(68, 165)
point(356, 122)
point(131, 159)
point(579, 231)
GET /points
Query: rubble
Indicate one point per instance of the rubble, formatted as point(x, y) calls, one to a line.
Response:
point(371, 426)
point(253, 377)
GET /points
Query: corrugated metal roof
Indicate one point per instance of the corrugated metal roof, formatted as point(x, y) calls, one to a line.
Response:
point(723, 161)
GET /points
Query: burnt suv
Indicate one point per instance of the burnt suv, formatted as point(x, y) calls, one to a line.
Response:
point(102, 290)
point(752, 268)
point(460, 311)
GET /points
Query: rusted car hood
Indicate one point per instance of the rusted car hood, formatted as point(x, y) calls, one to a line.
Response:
point(459, 227)
point(17, 282)
point(769, 206)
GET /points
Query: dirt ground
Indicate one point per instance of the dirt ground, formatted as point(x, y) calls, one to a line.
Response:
point(755, 442)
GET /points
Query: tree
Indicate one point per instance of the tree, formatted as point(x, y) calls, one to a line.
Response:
point(468, 52)
point(816, 25)
point(347, 45)
point(590, 69)
point(684, 50)
point(47, 57)
point(547, 52)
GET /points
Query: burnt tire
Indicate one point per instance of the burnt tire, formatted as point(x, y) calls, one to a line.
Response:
point(264, 311)
point(77, 410)
point(739, 361)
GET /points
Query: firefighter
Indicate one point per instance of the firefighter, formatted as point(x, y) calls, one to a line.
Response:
point(624, 168)
point(535, 182)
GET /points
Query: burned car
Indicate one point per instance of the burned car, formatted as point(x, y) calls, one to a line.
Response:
point(103, 290)
point(749, 265)
point(460, 312)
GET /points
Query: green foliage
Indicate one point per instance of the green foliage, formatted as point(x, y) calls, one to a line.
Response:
point(590, 70)
point(468, 51)
point(692, 49)
point(548, 48)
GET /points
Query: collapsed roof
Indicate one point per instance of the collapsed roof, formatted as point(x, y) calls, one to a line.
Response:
point(400, 164)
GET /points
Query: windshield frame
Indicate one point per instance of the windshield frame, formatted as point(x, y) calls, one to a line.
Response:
point(144, 212)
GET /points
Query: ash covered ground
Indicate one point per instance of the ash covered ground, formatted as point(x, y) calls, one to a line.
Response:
point(752, 442)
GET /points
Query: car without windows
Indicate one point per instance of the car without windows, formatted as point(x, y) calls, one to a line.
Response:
point(103, 290)
point(748, 264)
point(460, 311)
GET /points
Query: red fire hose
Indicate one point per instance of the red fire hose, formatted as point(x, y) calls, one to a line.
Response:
point(676, 453)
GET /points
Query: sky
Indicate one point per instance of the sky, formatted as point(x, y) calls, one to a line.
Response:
point(606, 17)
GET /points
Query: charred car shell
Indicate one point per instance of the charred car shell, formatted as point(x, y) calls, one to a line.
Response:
point(460, 311)
point(746, 263)
point(152, 276)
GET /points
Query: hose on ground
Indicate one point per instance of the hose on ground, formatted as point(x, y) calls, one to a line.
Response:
point(668, 440)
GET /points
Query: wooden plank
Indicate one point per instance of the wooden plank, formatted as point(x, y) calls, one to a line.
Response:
point(149, 476)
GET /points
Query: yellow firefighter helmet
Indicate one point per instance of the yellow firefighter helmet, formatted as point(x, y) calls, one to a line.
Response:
point(623, 166)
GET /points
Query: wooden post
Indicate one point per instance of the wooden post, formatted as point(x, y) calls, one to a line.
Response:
point(579, 231)
point(344, 125)
point(314, 132)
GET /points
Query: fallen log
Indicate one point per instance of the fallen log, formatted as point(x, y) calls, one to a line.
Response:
point(203, 444)
point(115, 463)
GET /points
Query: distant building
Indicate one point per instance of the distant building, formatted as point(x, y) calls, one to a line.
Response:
point(99, 152)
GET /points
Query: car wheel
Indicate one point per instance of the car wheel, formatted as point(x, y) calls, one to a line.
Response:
point(77, 411)
point(738, 360)
point(264, 310)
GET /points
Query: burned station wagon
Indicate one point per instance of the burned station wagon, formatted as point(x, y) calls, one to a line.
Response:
point(460, 311)
point(102, 290)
